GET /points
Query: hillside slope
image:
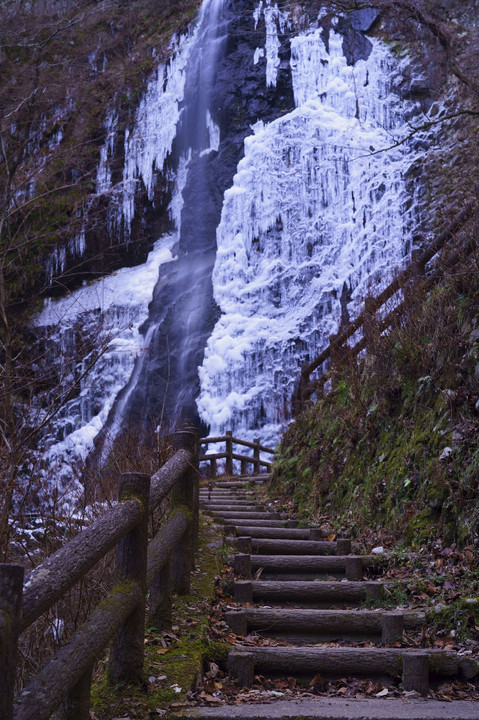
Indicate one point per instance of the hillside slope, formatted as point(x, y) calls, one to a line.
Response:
point(395, 444)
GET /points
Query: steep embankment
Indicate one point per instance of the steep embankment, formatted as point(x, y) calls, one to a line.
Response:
point(395, 444)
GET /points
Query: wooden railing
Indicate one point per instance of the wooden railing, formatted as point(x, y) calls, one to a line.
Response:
point(163, 566)
point(338, 352)
point(229, 455)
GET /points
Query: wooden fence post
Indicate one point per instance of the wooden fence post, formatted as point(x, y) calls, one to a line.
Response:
point(186, 493)
point(337, 353)
point(76, 705)
point(11, 588)
point(127, 651)
point(229, 452)
point(214, 470)
point(161, 591)
point(244, 468)
point(369, 322)
point(418, 266)
point(256, 464)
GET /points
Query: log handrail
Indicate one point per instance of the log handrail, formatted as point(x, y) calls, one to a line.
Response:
point(120, 616)
point(306, 387)
point(238, 441)
point(229, 455)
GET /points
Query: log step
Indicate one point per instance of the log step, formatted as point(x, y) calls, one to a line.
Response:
point(266, 546)
point(307, 592)
point(227, 494)
point(214, 507)
point(272, 533)
point(244, 663)
point(237, 522)
point(231, 515)
point(241, 484)
point(328, 623)
point(352, 565)
point(229, 502)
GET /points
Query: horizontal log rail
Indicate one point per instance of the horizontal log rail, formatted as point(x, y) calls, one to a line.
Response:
point(338, 352)
point(229, 455)
point(162, 565)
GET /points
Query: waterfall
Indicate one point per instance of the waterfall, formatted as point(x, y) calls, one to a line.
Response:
point(283, 216)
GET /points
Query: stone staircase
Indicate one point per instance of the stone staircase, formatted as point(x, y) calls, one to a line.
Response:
point(295, 586)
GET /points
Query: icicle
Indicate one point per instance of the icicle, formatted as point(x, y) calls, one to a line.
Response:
point(312, 208)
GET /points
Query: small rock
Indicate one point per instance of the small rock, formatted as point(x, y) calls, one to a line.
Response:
point(439, 608)
point(474, 336)
point(213, 671)
point(445, 453)
point(378, 550)
point(451, 394)
point(469, 667)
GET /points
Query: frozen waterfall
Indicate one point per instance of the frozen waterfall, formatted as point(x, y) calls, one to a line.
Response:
point(312, 209)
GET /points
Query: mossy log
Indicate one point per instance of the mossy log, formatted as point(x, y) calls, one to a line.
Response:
point(48, 582)
point(44, 693)
point(164, 480)
point(59, 572)
point(164, 542)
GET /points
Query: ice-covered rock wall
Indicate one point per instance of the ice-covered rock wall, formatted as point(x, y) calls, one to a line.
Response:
point(315, 214)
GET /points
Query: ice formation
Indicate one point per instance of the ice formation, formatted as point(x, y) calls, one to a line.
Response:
point(313, 207)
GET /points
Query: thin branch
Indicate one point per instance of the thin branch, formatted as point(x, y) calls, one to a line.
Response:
point(425, 126)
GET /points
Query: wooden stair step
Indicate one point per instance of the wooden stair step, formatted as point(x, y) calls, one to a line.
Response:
point(231, 507)
point(240, 484)
point(266, 546)
point(325, 591)
point(238, 514)
point(353, 565)
point(271, 533)
point(226, 502)
point(244, 662)
point(238, 522)
point(388, 624)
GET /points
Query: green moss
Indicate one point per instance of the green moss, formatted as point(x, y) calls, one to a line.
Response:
point(184, 660)
point(419, 528)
